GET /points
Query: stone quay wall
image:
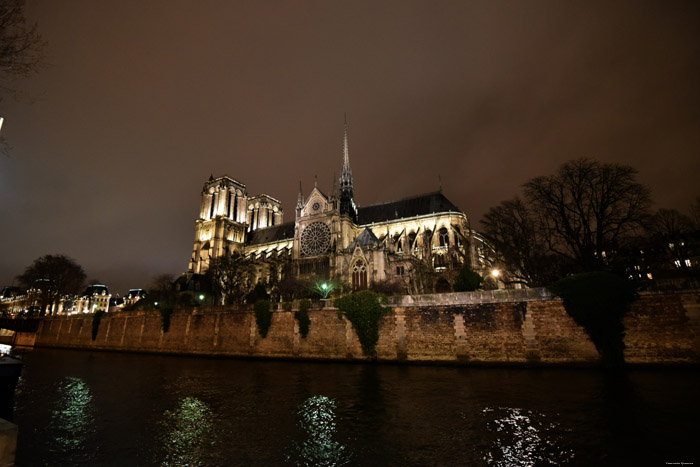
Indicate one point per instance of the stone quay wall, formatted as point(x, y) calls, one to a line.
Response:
point(510, 327)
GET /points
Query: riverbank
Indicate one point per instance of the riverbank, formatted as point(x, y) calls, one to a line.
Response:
point(517, 327)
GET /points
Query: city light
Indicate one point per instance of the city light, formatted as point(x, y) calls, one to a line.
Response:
point(324, 289)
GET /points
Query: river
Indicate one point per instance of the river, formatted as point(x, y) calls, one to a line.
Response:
point(80, 408)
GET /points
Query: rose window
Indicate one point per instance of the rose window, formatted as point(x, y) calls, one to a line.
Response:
point(315, 239)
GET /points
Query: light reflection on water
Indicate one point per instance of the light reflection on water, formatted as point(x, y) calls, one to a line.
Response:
point(72, 422)
point(187, 433)
point(523, 438)
point(122, 409)
point(317, 419)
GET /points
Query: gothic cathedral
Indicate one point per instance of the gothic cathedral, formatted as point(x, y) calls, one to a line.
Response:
point(419, 242)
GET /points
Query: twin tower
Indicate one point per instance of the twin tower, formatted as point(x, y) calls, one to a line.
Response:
point(229, 218)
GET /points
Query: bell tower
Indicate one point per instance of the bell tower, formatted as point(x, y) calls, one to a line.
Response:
point(220, 229)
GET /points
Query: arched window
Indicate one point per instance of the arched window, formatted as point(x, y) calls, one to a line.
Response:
point(359, 275)
point(439, 261)
point(398, 242)
point(458, 236)
point(411, 240)
point(427, 239)
point(444, 237)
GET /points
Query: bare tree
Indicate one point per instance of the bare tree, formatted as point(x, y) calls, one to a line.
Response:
point(670, 223)
point(515, 233)
point(695, 213)
point(587, 209)
point(162, 289)
point(53, 276)
point(669, 230)
point(231, 277)
point(21, 51)
point(21, 46)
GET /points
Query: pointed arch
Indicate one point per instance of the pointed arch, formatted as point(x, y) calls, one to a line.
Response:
point(359, 274)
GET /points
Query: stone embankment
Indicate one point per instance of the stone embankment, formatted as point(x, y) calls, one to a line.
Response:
point(510, 327)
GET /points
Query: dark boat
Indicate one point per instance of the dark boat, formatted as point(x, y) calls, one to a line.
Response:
point(10, 371)
point(10, 368)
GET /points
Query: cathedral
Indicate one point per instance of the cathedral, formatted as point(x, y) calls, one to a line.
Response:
point(418, 243)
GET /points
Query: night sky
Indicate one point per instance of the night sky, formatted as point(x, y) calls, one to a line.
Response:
point(139, 102)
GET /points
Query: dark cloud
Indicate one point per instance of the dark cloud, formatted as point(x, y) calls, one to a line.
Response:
point(141, 101)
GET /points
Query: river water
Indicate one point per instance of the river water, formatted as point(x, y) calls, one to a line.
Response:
point(79, 408)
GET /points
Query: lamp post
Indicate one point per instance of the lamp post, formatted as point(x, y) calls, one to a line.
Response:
point(324, 289)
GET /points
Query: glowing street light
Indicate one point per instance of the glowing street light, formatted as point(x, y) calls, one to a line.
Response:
point(495, 273)
point(201, 297)
point(324, 288)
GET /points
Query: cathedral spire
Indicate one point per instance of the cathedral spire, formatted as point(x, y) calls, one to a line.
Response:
point(347, 195)
point(346, 150)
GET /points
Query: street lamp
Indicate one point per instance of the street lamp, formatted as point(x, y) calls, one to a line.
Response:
point(324, 289)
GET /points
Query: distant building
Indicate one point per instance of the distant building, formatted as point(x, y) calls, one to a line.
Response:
point(13, 300)
point(133, 296)
point(95, 298)
point(116, 303)
point(419, 242)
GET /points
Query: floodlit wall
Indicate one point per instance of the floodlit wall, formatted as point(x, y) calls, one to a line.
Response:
point(500, 327)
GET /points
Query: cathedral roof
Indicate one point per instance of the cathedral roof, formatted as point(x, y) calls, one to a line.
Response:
point(365, 239)
point(408, 207)
point(272, 234)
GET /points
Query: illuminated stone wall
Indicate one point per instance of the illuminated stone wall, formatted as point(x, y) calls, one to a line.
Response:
point(502, 327)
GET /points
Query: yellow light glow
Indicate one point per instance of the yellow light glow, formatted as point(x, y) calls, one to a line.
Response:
point(495, 273)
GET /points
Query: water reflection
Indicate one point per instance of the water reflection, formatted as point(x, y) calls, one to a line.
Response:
point(187, 433)
point(523, 438)
point(317, 419)
point(72, 422)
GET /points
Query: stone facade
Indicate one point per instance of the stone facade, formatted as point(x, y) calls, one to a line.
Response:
point(333, 237)
point(520, 329)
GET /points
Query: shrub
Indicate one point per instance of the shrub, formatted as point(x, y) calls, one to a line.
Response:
point(302, 317)
point(165, 313)
point(259, 292)
point(598, 301)
point(263, 316)
point(468, 280)
point(96, 323)
point(364, 311)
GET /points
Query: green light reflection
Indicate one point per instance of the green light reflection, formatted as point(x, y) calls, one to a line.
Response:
point(73, 422)
point(187, 433)
point(317, 419)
